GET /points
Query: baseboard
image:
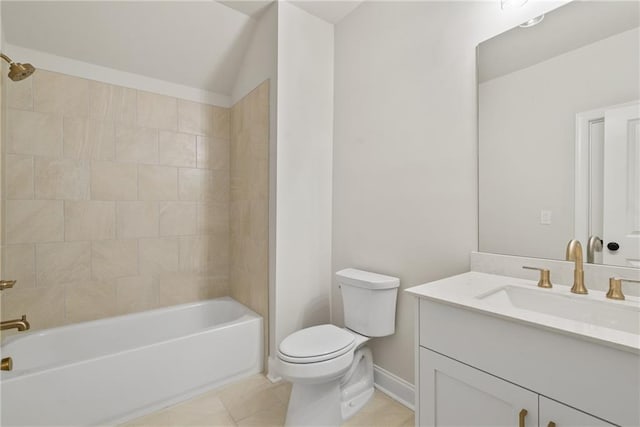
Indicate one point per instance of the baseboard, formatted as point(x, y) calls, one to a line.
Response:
point(394, 386)
point(272, 372)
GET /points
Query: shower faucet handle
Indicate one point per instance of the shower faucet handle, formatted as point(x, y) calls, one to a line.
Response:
point(545, 276)
point(7, 284)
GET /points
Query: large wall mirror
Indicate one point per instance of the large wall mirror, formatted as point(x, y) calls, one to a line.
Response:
point(559, 135)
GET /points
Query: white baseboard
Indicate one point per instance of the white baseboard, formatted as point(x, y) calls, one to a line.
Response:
point(272, 372)
point(394, 386)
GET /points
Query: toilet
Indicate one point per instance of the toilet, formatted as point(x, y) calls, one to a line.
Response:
point(330, 367)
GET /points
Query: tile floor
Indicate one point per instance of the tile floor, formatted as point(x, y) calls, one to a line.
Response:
point(256, 401)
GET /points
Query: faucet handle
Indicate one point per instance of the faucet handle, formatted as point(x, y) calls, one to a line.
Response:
point(545, 276)
point(615, 287)
point(6, 284)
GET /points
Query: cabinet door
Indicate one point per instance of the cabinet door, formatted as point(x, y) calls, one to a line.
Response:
point(565, 416)
point(455, 394)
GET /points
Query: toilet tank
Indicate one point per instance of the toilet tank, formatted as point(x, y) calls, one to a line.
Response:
point(369, 301)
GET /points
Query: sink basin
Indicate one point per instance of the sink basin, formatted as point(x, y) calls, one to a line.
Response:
point(624, 317)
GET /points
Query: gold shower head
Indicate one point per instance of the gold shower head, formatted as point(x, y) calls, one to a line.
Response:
point(18, 71)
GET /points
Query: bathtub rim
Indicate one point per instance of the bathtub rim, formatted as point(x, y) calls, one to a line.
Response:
point(246, 316)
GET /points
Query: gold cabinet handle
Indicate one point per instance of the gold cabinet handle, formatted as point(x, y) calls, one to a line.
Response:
point(6, 284)
point(551, 424)
point(521, 416)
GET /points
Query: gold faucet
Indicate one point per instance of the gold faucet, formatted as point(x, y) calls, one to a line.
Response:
point(7, 364)
point(19, 324)
point(574, 253)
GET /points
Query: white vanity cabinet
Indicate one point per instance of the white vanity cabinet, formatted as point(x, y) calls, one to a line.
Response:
point(481, 364)
point(455, 394)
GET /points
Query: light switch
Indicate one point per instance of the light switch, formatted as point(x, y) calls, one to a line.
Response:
point(545, 217)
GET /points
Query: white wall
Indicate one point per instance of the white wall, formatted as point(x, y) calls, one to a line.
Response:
point(527, 149)
point(304, 153)
point(404, 181)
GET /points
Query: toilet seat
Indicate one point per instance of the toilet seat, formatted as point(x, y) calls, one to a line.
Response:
point(316, 344)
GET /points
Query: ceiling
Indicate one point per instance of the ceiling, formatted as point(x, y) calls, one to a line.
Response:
point(567, 28)
point(199, 44)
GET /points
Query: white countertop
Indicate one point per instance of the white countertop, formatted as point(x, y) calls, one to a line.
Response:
point(466, 291)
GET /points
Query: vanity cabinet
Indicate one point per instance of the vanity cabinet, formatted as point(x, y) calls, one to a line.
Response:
point(478, 369)
point(456, 394)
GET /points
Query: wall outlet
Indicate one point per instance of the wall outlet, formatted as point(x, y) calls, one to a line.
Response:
point(545, 217)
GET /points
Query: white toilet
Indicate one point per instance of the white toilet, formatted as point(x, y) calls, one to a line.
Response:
point(330, 368)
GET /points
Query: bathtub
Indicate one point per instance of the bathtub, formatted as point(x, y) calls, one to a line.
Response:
point(113, 370)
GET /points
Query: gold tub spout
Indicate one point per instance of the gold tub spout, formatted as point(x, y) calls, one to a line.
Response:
point(7, 364)
point(574, 253)
point(19, 324)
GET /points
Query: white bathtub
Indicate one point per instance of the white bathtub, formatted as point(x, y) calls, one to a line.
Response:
point(113, 370)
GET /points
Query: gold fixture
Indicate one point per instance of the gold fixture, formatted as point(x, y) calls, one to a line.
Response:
point(19, 324)
point(615, 287)
point(7, 364)
point(18, 71)
point(521, 416)
point(545, 277)
point(593, 245)
point(574, 253)
point(551, 424)
point(6, 284)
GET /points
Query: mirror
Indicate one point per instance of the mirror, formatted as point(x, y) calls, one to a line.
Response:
point(559, 135)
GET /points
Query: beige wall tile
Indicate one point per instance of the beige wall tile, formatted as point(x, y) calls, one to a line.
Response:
point(212, 218)
point(20, 264)
point(113, 103)
point(158, 256)
point(195, 118)
point(136, 219)
point(61, 179)
point(135, 294)
point(111, 259)
point(205, 254)
point(177, 149)
point(60, 93)
point(213, 153)
point(90, 220)
point(34, 133)
point(86, 139)
point(86, 301)
point(62, 263)
point(204, 185)
point(157, 183)
point(20, 94)
point(157, 111)
point(221, 122)
point(178, 218)
point(135, 144)
point(114, 181)
point(19, 176)
point(44, 307)
point(30, 221)
point(180, 288)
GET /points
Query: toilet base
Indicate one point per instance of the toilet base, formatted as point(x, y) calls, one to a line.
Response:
point(332, 403)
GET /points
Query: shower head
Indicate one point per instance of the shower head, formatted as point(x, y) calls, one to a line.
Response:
point(18, 71)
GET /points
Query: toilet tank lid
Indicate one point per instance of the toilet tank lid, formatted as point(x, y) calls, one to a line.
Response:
point(366, 279)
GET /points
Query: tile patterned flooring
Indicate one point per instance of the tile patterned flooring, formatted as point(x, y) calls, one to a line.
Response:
point(256, 401)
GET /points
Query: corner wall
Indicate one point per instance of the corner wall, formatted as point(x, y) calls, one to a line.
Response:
point(304, 157)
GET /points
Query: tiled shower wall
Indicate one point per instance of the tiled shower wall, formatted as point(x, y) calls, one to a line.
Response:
point(116, 200)
point(249, 218)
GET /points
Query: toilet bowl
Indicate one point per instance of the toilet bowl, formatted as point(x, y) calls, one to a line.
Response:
point(330, 367)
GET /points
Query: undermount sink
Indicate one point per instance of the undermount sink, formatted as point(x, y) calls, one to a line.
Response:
point(624, 317)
